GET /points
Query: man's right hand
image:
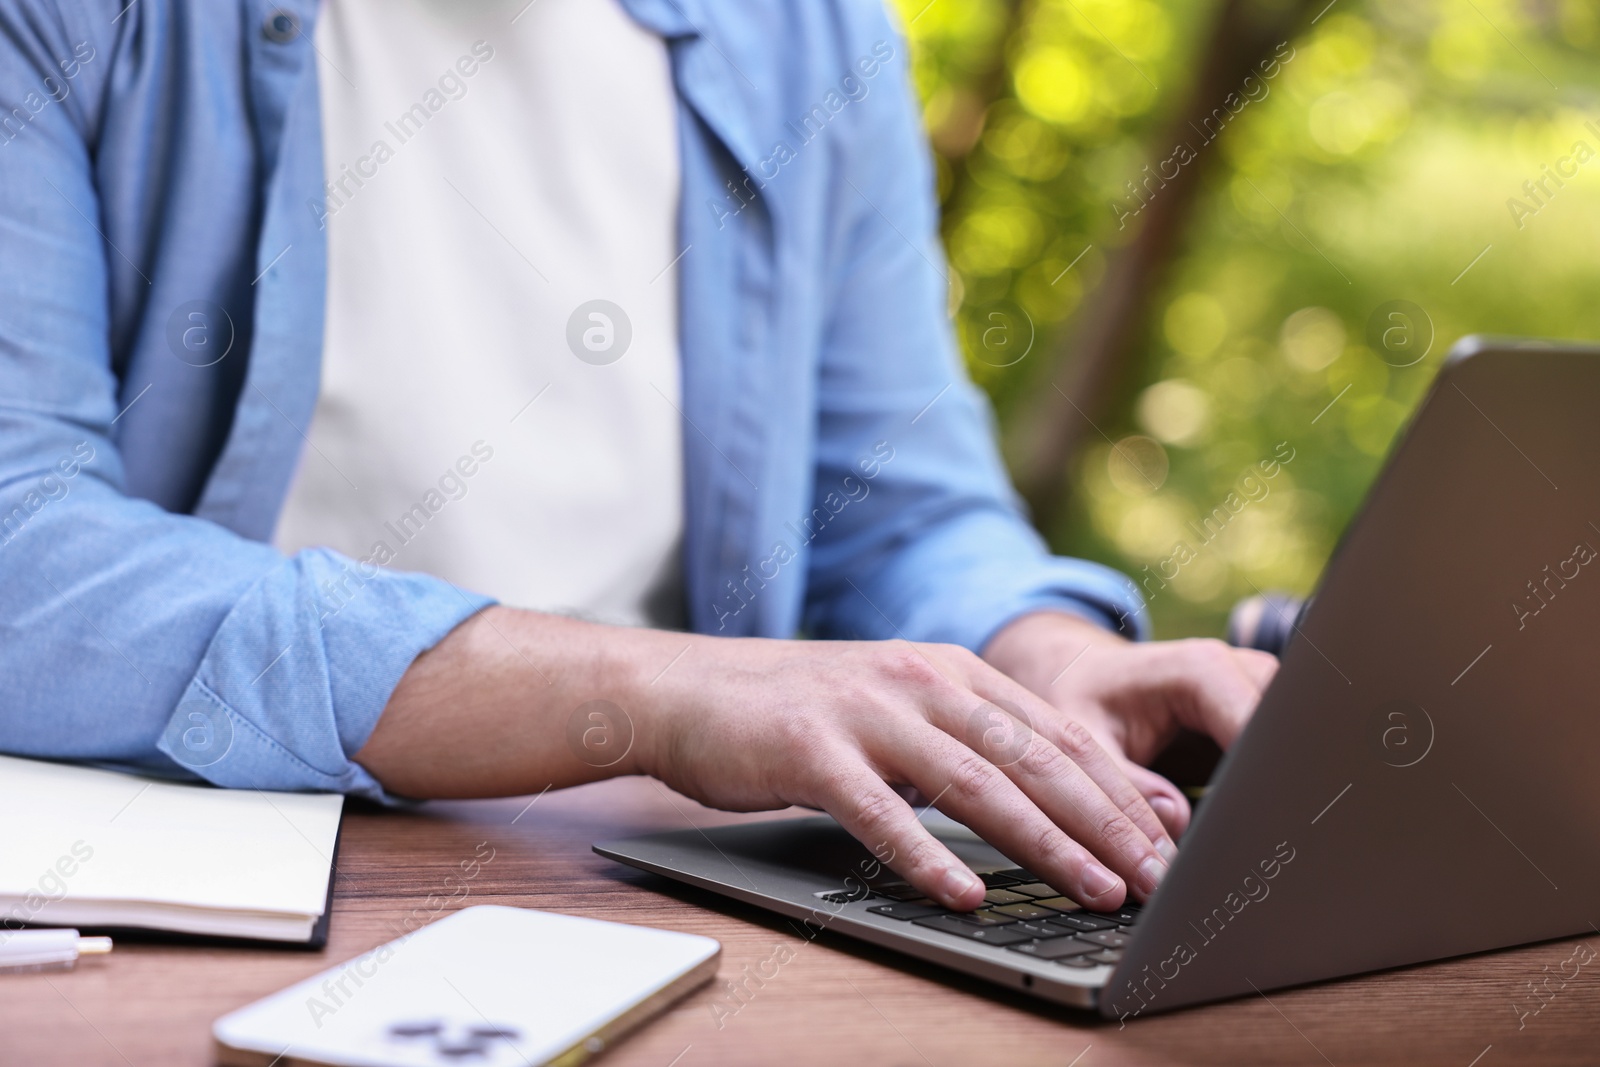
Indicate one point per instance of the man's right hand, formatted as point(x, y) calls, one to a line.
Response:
point(752, 724)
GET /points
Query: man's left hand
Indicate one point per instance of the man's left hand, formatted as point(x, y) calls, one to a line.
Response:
point(1135, 697)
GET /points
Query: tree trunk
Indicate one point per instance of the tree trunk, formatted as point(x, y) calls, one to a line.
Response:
point(1091, 367)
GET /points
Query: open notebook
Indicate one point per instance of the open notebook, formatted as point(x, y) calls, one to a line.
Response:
point(96, 849)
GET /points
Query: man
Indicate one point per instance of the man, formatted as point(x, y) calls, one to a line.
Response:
point(625, 309)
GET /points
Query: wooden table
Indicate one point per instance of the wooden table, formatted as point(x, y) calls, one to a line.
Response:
point(834, 1003)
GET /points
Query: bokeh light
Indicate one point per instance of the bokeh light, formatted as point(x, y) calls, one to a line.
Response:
point(1374, 168)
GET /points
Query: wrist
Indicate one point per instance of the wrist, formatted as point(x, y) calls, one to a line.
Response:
point(632, 670)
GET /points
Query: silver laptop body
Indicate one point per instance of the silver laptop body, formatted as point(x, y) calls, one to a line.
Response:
point(1419, 781)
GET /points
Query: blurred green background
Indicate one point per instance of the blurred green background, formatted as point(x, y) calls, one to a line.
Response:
point(1375, 165)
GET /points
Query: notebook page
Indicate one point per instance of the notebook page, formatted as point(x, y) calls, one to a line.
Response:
point(85, 834)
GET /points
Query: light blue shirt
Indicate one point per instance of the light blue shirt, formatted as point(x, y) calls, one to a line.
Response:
point(161, 312)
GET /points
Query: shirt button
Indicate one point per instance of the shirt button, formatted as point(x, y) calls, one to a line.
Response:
point(281, 26)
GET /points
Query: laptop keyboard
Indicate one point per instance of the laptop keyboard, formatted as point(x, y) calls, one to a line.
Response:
point(1021, 914)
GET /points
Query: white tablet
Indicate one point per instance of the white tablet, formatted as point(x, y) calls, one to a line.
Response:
point(487, 986)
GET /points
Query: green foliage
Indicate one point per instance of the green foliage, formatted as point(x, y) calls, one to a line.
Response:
point(1385, 162)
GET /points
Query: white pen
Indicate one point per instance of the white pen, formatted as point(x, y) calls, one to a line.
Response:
point(46, 950)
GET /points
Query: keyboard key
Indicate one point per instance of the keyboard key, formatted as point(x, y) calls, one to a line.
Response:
point(984, 917)
point(1108, 938)
point(989, 935)
point(906, 911)
point(1126, 915)
point(1030, 910)
point(898, 891)
point(998, 879)
point(1083, 921)
point(1081, 962)
point(1055, 950)
point(1059, 903)
point(1006, 896)
point(1037, 890)
point(1019, 874)
point(1109, 955)
point(1042, 931)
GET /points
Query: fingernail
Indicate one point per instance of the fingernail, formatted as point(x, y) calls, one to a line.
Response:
point(1151, 871)
point(1166, 809)
point(1097, 881)
point(1168, 850)
point(957, 884)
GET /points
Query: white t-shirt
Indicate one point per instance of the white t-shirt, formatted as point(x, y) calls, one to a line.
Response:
point(500, 382)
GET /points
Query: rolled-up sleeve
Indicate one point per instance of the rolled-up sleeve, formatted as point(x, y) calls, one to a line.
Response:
point(130, 635)
point(294, 679)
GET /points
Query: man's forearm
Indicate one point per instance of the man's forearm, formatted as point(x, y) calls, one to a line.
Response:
point(489, 711)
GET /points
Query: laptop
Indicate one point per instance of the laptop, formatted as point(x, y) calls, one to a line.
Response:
point(1417, 783)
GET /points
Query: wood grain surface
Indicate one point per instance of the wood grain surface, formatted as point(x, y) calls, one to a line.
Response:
point(833, 1003)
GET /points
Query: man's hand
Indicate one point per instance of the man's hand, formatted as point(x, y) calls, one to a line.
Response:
point(1134, 698)
point(752, 724)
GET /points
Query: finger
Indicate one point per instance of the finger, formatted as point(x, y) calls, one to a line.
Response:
point(1078, 785)
point(1260, 667)
point(1205, 686)
point(1111, 774)
point(1164, 798)
point(971, 789)
point(875, 815)
point(1079, 744)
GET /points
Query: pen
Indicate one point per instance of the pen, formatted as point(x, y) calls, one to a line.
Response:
point(46, 950)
